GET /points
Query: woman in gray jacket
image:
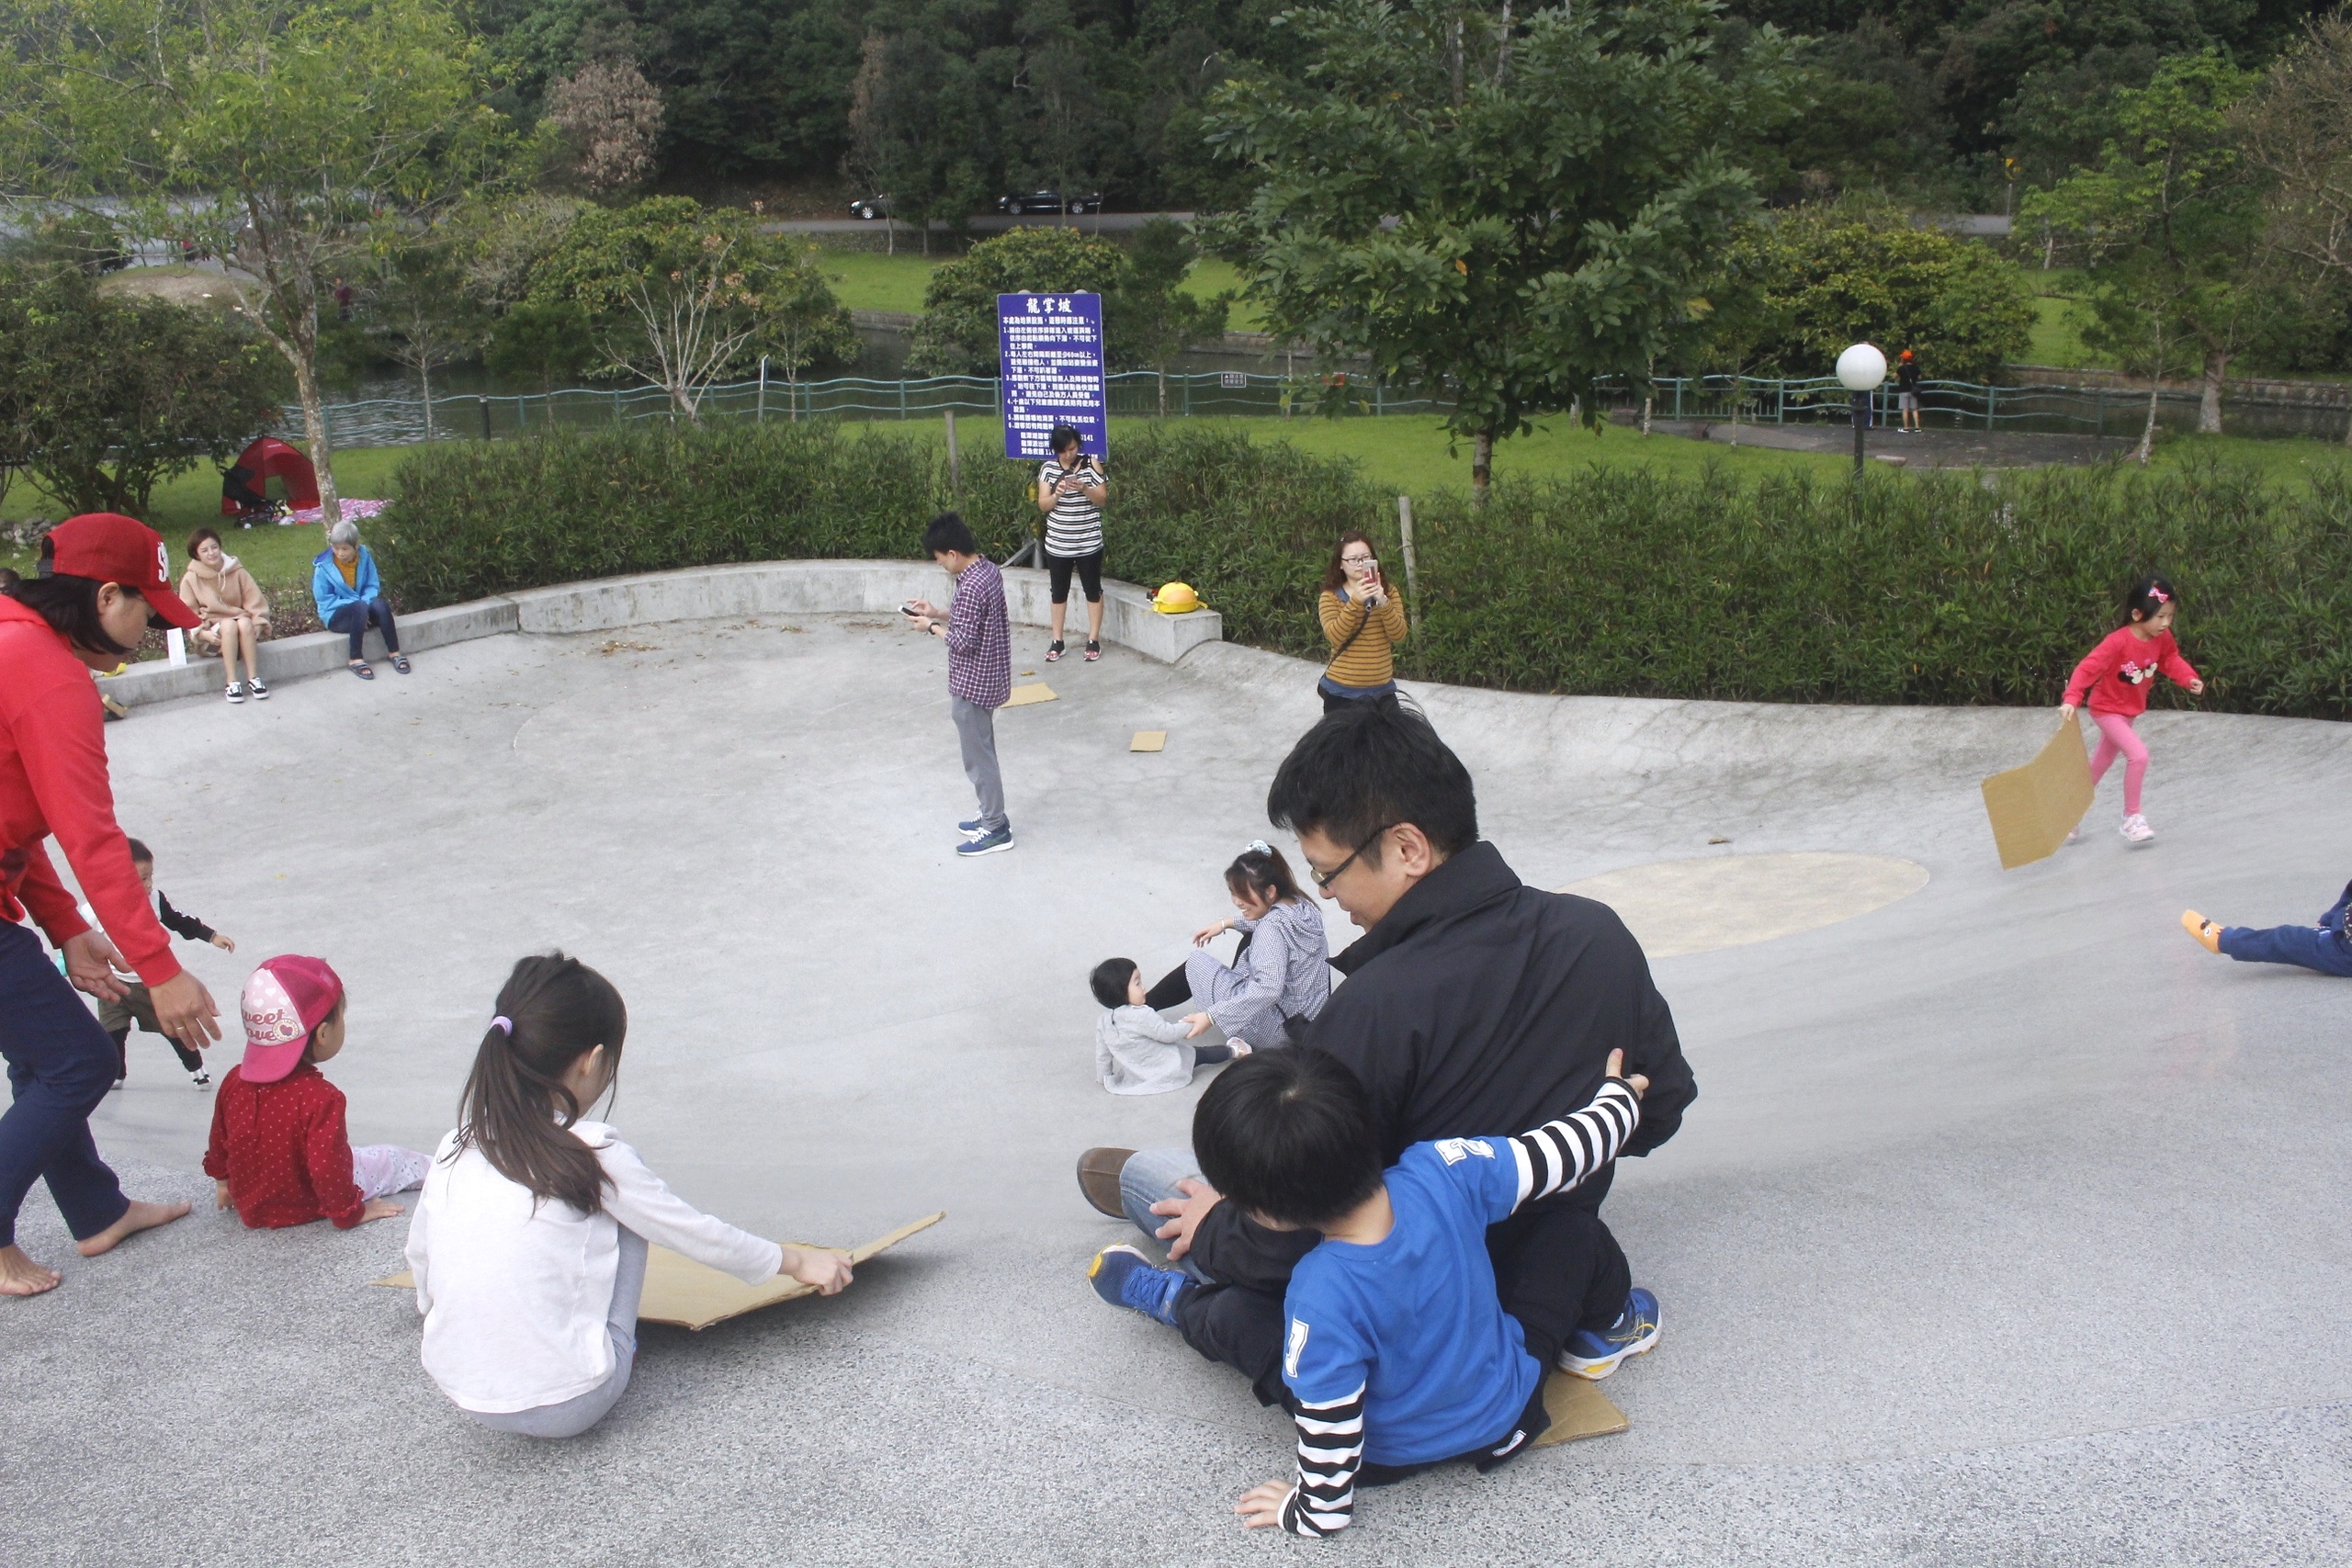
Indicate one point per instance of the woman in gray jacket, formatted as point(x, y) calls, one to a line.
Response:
point(1281, 971)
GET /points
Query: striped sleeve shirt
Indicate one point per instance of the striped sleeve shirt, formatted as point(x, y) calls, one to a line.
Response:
point(1561, 1154)
point(1074, 527)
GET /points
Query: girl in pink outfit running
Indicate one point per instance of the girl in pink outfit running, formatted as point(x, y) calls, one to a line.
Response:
point(2116, 678)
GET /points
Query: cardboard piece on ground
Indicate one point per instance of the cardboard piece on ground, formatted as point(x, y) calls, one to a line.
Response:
point(1024, 696)
point(2034, 808)
point(1149, 740)
point(683, 1292)
point(1578, 1409)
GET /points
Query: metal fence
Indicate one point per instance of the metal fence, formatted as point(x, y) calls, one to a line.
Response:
point(2112, 411)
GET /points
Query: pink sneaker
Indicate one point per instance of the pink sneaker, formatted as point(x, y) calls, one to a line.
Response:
point(2135, 828)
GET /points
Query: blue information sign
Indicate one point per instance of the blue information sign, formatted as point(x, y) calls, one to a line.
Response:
point(1052, 345)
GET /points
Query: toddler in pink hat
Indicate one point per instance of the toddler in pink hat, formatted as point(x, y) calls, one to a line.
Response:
point(280, 1151)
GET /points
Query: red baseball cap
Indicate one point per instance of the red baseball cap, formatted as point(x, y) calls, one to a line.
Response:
point(114, 549)
point(287, 997)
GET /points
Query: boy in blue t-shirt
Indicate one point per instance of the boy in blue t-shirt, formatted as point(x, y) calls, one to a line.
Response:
point(1398, 1355)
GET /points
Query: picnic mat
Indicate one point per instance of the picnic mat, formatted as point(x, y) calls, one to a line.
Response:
point(1578, 1409)
point(689, 1295)
point(2034, 808)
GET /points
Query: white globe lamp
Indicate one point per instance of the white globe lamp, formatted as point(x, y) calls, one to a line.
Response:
point(1862, 370)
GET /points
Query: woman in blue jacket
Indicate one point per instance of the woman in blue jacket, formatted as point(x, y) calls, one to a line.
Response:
point(351, 597)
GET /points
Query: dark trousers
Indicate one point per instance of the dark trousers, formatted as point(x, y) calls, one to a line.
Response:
point(1090, 575)
point(1174, 987)
point(1333, 702)
point(60, 1066)
point(355, 619)
point(188, 1059)
point(1557, 1269)
point(2325, 947)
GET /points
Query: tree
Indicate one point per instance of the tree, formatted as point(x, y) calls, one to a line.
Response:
point(1510, 210)
point(270, 132)
point(101, 398)
point(419, 314)
point(1157, 320)
point(917, 134)
point(2171, 220)
point(1798, 289)
point(609, 120)
point(677, 294)
point(2297, 127)
point(957, 333)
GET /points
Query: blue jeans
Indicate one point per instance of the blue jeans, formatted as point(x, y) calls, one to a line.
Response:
point(570, 1417)
point(2323, 947)
point(353, 619)
point(1150, 1177)
point(61, 1065)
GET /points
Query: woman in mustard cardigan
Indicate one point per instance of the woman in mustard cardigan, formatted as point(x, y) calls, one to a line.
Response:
point(1363, 623)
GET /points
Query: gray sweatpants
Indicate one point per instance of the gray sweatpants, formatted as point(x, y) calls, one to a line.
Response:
point(976, 728)
point(570, 1417)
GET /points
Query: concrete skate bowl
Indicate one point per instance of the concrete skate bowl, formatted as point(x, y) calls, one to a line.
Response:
point(2004, 1228)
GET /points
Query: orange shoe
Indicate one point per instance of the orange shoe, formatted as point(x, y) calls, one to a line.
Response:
point(2208, 934)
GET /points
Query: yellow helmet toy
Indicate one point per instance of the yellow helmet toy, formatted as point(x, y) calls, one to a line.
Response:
point(1177, 599)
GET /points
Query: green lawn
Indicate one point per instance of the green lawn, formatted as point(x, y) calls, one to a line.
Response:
point(193, 500)
point(869, 280)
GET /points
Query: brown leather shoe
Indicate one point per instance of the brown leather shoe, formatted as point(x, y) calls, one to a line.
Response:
point(1098, 1178)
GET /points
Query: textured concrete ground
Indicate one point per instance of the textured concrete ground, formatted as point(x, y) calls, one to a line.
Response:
point(2006, 1228)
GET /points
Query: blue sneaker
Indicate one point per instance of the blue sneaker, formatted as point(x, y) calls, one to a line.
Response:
point(987, 843)
point(1595, 1355)
point(1126, 1278)
point(971, 829)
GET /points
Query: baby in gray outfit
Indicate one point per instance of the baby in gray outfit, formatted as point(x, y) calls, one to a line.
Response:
point(1135, 1050)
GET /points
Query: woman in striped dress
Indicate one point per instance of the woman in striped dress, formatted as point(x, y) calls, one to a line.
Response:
point(1363, 623)
point(1070, 492)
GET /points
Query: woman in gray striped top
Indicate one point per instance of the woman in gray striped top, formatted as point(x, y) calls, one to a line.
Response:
point(1070, 492)
point(1282, 970)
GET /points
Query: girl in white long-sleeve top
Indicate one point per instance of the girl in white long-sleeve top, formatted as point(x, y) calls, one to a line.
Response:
point(530, 1243)
point(1282, 970)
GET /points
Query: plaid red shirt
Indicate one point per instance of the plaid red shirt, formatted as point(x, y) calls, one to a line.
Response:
point(979, 640)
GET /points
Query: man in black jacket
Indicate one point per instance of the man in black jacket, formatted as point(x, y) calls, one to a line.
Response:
point(1474, 1005)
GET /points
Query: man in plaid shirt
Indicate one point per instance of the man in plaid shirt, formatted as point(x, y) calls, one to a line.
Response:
point(980, 671)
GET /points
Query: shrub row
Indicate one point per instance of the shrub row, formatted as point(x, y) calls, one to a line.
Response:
point(1919, 588)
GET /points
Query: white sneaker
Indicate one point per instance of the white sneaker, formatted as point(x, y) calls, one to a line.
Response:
point(199, 1079)
point(236, 691)
point(257, 688)
point(2135, 828)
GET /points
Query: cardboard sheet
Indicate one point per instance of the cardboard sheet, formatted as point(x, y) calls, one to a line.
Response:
point(683, 1292)
point(1578, 1409)
point(2034, 808)
point(1149, 740)
point(1024, 696)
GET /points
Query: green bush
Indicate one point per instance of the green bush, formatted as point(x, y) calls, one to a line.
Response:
point(1925, 588)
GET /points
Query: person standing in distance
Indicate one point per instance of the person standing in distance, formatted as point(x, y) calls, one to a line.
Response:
point(1070, 493)
point(979, 670)
point(109, 580)
point(1363, 623)
point(1906, 390)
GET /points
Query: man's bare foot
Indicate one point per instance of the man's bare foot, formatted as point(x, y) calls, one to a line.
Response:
point(138, 1217)
point(20, 1276)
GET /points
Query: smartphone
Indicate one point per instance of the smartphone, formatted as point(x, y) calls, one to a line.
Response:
point(908, 611)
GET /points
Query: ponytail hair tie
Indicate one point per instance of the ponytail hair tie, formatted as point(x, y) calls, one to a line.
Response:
point(1260, 846)
point(504, 1025)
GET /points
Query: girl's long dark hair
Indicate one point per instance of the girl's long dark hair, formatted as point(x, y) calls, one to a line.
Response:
point(516, 1109)
point(1263, 873)
point(70, 605)
point(1335, 576)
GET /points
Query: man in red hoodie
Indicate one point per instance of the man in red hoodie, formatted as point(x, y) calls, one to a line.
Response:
point(108, 578)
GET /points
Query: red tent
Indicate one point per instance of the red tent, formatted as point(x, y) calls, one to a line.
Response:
point(245, 488)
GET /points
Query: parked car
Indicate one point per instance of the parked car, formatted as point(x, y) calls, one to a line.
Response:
point(1047, 201)
point(870, 207)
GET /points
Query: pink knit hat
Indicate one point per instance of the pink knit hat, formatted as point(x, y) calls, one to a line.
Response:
point(287, 997)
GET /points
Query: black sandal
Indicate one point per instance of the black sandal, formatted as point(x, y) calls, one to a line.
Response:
point(362, 671)
point(1053, 654)
point(399, 663)
point(1093, 650)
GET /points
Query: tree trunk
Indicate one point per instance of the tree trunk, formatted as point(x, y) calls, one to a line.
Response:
point(1482, 464)
point(1163, 392)
point(2208, 401)
point(2156, 385)
point(314, 433)
point(889, 234)
point(425, 379)
point(1646, 403)
point(1453, 60)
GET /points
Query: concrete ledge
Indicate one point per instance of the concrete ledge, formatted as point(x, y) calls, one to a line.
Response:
point(694, 594)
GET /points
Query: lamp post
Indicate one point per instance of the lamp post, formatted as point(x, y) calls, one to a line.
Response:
point(1862, 370)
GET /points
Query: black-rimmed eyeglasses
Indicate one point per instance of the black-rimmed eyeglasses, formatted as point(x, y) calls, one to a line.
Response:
point(1325, 878)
